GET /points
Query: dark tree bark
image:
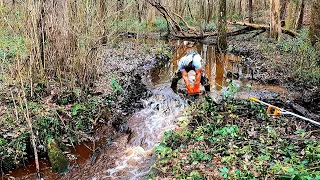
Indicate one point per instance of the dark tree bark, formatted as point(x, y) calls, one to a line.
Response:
point(283, 9)
point(250, 11)
point(314, 31)
point(210, 10)
point(222, 26)
point(240, 7)
point(301, 14)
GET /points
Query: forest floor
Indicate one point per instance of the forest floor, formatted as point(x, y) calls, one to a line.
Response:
point(237, 139)
point(257, 145)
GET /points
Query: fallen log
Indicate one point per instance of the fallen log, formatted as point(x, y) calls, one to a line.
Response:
point(265, 27)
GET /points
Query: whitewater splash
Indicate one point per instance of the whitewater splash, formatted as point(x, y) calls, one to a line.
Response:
point(160, 114)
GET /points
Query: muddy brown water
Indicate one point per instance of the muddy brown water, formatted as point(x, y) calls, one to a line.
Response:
point(160, 113)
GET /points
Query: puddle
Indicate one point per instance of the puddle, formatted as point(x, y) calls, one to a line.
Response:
point(78, 155)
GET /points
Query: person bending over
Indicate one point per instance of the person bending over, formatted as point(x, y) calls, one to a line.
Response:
point(190, 61)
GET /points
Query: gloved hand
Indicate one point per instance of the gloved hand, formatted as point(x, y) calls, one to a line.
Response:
point(196, 88)
point(190, 90)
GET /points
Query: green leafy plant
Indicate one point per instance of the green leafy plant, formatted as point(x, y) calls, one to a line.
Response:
point(116, 88)
point(231, 90)
point(224, 172)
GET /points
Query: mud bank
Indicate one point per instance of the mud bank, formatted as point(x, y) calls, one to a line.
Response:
point(126, 66)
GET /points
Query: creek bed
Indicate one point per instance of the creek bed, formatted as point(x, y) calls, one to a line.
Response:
point(131, 156)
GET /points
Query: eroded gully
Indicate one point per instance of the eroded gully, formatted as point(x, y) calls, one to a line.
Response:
point(133, 157)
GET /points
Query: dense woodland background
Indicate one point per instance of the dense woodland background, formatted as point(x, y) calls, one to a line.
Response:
point(60, 37)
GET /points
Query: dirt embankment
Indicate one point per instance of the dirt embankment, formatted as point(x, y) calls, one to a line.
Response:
point(120, 91)
point(271, 66)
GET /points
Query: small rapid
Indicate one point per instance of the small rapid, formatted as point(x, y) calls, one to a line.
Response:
point(159, 114)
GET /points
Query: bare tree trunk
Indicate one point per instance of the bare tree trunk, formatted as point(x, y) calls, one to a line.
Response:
point(222, 26)
point(120, 4)
point(283, 8)
point(289, 14)
point(210, 10)
point(314, 30)
point(41, 33)
point(141, 8)
point(189, 9)
point(250, 11)
point(275, 25)
point(240, 7)
point(301, 14)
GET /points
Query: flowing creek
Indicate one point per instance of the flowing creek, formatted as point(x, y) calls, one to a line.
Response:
point(160, 113)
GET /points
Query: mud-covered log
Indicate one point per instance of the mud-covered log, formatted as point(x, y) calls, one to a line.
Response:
point(265, 27)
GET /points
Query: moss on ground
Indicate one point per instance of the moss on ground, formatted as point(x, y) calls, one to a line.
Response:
point(58, 160)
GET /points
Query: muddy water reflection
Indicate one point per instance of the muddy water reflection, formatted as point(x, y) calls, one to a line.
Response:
point(218, 67)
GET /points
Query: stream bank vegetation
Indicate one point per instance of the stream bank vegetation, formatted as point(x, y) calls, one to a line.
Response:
point(237, 139)
point(52, 57)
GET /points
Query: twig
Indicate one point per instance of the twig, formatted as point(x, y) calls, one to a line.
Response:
point(33, 137)
point(310, 132)
point(15, 107)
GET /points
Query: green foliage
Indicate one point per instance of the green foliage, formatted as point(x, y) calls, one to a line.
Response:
point(11, 46)
point(163, 49)
point(218, 141)
point(84, 115)
point(128, 24)
point(224, 172)
point(231, 90)
point(198, 156)
point(237, 17)
point(161, 24)
point(227, 130)
point(48, 127)
point(116, 88)
point(194, 175)
point(209, 27)
point(305, 64)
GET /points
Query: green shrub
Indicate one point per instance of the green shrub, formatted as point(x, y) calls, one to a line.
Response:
point(306, 59)
point(161, 24)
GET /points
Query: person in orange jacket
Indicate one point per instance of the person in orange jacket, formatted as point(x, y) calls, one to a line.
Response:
point(191, 60)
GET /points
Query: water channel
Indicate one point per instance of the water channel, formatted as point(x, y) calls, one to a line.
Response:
point(161, 112)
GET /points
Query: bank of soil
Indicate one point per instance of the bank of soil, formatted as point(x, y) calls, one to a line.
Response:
point(271, 66)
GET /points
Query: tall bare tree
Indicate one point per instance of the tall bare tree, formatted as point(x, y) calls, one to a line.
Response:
point(314, 31)
point(275, 25)
point(301, 14)
point(283, 9)
point(210, 10)
point(250, 7)
point(222, 25)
